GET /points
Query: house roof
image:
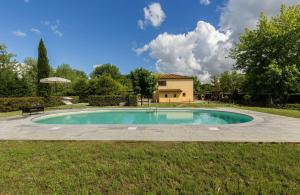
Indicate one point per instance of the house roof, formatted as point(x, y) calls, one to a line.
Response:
point(169, 90)
point(174, 76)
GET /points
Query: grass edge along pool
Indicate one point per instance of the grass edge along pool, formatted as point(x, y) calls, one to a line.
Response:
point(146, 117)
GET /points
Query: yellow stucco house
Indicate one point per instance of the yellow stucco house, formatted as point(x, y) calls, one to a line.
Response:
point(174, 88)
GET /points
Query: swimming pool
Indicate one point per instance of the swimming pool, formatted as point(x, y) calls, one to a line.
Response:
point(146, 117)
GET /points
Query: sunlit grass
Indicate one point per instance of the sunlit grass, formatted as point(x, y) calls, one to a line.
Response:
point(155, 168)
point(276, 111)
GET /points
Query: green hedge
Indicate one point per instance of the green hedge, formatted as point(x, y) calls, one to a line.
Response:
point(17, 103)
point(112, 100)
point(56, 101)
point(293, 106)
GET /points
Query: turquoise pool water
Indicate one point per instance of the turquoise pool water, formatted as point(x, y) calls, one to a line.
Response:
point(182, 117)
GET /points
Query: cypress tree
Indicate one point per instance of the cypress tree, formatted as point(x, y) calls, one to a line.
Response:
point(43, 70)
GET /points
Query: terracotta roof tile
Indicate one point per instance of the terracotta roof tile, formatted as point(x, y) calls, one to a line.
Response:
point(173, 76)
point(169, 90)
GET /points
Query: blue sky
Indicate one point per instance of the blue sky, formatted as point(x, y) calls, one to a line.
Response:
point(95, 32)
point(189, 37)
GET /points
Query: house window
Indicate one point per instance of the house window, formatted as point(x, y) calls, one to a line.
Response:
point(162, 83)
point(183, 94)
point(174, 95)
point(166, 95)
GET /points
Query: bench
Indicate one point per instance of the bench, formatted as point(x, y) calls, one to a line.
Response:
point(33, 109)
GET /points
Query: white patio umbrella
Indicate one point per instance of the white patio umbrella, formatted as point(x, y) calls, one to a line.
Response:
point(55, 80)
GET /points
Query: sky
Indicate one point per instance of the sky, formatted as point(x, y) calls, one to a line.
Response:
point(189, 37)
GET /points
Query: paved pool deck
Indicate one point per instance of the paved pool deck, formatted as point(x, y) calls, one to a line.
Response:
point(264, 128)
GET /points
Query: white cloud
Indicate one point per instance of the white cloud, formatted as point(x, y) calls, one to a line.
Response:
point(153, 15)
point(54, 27)
point(199, 52)
point(97, 65)
point(19, 33)
point(203, 51)
point(36, 31)
point(141, 24)
point(238, 15)
point(46, 23)
point(55, 30)
point(204, 2)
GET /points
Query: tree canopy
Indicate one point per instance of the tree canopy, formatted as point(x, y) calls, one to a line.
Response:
point(11, 84)
point(106, 69)
point(197, 85)
point(6, 58)
point(270, 54)
point(231, 81)
point(66, 71)
point(143, 82)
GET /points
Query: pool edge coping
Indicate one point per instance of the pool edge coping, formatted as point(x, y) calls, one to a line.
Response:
point(256, 119)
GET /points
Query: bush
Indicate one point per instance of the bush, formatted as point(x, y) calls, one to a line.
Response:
point(293, 106)
point(247, 99)
point(17, 103)
point(56, 101)
point(225, 99)
point(112, 100)
point(83, 99)
point(132, 100)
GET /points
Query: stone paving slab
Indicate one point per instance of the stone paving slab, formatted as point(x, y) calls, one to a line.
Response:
point(264, 128)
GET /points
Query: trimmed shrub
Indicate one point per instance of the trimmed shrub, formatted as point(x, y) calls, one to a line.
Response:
point(112, 100)
point(293, 106)
point(17, 103)
point(56, 101)
point(83, 99)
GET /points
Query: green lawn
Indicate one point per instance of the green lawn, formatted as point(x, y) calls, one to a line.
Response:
point(282, 112)
point(140, 168)
point(10, 114)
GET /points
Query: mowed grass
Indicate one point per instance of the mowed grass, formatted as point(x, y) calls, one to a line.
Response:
point(10, 114)
point(148, 168)
point(276, 111)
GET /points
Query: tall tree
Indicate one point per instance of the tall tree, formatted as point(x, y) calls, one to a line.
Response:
point(106, 69)
point(80, 87)
point(197, 85)
point(231, 83)
point(270, 55)
point(66, 71)
point(43, 70)
point(6, 58)
point(11, 84)
point(30, 75)
point(143, 82)
point(109, 86)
